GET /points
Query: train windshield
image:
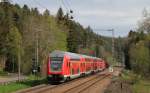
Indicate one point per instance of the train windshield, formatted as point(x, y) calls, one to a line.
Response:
point(56, 63)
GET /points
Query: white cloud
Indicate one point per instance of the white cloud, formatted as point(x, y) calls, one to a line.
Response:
point(108, 13)
point(120, 14)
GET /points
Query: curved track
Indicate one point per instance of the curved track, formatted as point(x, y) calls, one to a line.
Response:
point(66, 83)
point(73, 87)
point(46, 87)
point(85, 85)
point(80, 85)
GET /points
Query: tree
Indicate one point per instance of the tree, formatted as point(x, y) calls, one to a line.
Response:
point(14, 47)
point(46, 13)
point(145, 12)
point(52, 33)
point(35, 11)
point(137, 48)
point(139, 58)
point(60, 15)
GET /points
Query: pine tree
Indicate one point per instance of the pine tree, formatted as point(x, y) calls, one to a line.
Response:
point(60, 15)
point(14, 46)
point(46, 13)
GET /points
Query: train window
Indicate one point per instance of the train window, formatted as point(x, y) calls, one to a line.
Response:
point(68, 64)
point(78, 71)
point(56, 63)
point(75, 59)
point(56, 59)
point(72, 72)
point(82, 64)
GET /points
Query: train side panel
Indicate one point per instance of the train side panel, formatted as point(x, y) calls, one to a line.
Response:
point(72, 65)
point(66, 68)
point(75, 68)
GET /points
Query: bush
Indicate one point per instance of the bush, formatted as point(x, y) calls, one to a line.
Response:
point(3, 73)
point(139, 58)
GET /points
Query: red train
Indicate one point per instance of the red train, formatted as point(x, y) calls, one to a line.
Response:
point(64, 66)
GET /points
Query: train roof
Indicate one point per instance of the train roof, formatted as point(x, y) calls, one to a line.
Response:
point(58, 53)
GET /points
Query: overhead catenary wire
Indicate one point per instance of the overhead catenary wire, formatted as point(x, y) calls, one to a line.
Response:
point(13, 2)
point(32, 3)
point(68, 8)
point(68, 4)
point(24, 2)
point(65, 6)
point(64, 3)
point(41, 5)
point(71, 10)
point(37, 3)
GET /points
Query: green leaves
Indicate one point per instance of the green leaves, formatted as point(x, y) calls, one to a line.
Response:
point(14, 41)
point(139, 58)
point(60, 15)
point(22, 28)
point(137, 49)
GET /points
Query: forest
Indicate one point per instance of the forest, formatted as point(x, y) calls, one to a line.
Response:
point(24, 31)
point(137, 48)
point(29, 34)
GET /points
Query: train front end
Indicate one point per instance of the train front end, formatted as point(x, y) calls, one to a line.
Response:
point(55, 68)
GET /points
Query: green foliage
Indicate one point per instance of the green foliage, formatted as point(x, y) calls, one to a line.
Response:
point(3, 73)
point(15, 41)
point(130, 77)
point(60, 15)
point(21, 28)
point(143, 86)
point(137, 49)
point(139, 58)
point(80, 39)
point(14, 47)
point(139, 84)
point(12, 87)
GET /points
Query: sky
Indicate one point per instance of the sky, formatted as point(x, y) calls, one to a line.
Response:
point(120, 15)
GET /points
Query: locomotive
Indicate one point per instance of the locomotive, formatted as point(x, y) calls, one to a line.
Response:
point(63, 66)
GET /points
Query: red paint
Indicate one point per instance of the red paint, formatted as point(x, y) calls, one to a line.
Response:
point(83, 65)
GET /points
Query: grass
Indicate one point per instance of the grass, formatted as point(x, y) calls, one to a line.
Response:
point(139, 84)
point(143, 86)
point(12, 87)
point(2, 73)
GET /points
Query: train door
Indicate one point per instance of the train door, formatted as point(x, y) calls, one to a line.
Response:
point(81, 66)
point(84, 66)
point(68, 66)
point(71, 68)
point(65, 68)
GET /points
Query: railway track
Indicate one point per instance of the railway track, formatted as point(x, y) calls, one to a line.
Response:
point(94, 83)
point(74, 88)
point(32, 89)
point(72, 85)
point(45, 87)
point(85, 85)
point(63, 84)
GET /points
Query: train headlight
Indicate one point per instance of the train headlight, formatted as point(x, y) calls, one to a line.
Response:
point(49, 75)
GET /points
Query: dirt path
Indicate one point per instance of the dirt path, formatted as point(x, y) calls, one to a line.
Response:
point(6, 80)
point(119, 86)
